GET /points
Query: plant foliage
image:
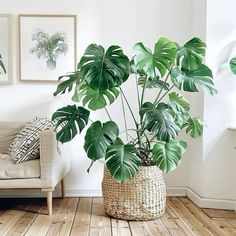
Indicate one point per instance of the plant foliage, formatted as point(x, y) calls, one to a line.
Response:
point(97, 83)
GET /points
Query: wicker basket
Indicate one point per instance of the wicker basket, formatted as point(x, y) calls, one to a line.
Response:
point(142, 198)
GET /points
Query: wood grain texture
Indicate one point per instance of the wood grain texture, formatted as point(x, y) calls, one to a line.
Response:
point(86, 217)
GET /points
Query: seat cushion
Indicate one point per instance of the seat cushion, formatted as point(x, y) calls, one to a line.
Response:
point(25, 170)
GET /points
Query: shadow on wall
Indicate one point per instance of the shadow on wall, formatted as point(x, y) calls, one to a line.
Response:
point(219, 165)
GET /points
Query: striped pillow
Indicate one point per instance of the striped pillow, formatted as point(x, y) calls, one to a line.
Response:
point(25, 145)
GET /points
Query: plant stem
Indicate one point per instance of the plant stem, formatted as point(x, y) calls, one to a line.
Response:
point(143, 92)
point(162, 87)
point(108, 113)
point(165, 94)
point(139, 103)
point(132, 114)
point(124, 115)
point(167, 76)
point(135, 121)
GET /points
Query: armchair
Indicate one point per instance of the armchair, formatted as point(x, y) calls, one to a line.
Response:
point(44, 173)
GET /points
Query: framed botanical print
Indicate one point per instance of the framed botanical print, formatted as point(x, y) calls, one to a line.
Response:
point(47, 47)
point(5, 48)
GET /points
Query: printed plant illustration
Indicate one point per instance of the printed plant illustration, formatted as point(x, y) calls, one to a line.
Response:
point(49, 47)
point(2, 66)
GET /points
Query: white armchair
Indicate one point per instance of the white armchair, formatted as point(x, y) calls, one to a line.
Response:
point(44, 173)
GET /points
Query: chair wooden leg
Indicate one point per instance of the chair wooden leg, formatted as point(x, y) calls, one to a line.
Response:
point(49, 202)
point(62, 189)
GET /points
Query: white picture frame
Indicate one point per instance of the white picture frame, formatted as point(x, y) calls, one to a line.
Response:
point(47, 46)
point(6, 44)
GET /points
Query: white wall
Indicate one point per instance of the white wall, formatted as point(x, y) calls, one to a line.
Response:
point(107, 22)
point(219, 154)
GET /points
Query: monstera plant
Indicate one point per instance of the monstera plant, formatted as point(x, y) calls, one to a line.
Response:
point(165, 71)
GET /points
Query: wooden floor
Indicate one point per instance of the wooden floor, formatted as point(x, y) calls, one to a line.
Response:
point(85, 216)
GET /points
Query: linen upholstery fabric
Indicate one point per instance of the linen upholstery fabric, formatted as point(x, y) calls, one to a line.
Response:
point(53, 163)
point(8, 131)
point(25, 146)
point(29, 169)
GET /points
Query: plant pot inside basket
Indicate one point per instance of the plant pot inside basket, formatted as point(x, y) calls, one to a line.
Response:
point(141, 198)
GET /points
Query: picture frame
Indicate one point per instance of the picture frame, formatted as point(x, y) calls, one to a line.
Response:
point(6, 44)
point(47, 46)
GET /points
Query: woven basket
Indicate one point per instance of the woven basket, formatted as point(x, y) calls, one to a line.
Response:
point(141, 198)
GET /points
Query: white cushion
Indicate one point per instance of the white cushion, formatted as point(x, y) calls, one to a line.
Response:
point(28, 169)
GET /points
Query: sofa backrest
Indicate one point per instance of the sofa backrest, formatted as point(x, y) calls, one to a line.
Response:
point(8, 131)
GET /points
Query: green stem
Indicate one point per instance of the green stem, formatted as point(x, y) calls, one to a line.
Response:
point(124, 115)
point(139, 103)
point(132, 114)
point(108, 113)
point(165, 94)
point(162, 87)
point(143, 91)
point(167, 76)
point(135, 121)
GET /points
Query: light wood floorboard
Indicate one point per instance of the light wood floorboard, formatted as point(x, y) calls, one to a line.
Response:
point(86, 217)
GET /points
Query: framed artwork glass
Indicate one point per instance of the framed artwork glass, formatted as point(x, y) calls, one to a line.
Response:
point(5, 48)
point(47, 47)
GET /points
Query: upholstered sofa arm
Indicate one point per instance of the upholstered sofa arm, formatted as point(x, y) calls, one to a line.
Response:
point(54, 163)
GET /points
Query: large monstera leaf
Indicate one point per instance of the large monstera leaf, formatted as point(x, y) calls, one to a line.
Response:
point(68, 84)
point(167, 155)
point(104, 70)
point(99, 99)
point(179, 107)
point(162, 58)
point(68, 120)
point(194, 127)
point(159, 121)
point(99, 137)
point(122, 161)
point(191, 80)
point(190, 55)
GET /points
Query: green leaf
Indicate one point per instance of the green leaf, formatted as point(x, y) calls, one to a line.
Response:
point(67, 84)
point(99, 137)
point(167, 155)
point(190, 56)
point(68, 120)
point(179, 107)
point(194, 127)
point(144, 60)
point(122, 161)
point(79, 92)
point(104, 70)
point(191, 80)
point(99, 99)
point(179, 101)
point(233, 65)
point(152, 83)
point(164, 55)
point(159, 121)
point(162, 58)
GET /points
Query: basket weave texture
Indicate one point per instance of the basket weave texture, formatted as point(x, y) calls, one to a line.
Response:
point(141, 198)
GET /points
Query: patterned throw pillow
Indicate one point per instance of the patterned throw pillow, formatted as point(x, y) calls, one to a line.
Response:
point(25, 145)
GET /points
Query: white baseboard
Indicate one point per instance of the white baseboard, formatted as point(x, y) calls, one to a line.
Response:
point(97, 192)
point(202, 202)
point(83, 192)
point(176, 191)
